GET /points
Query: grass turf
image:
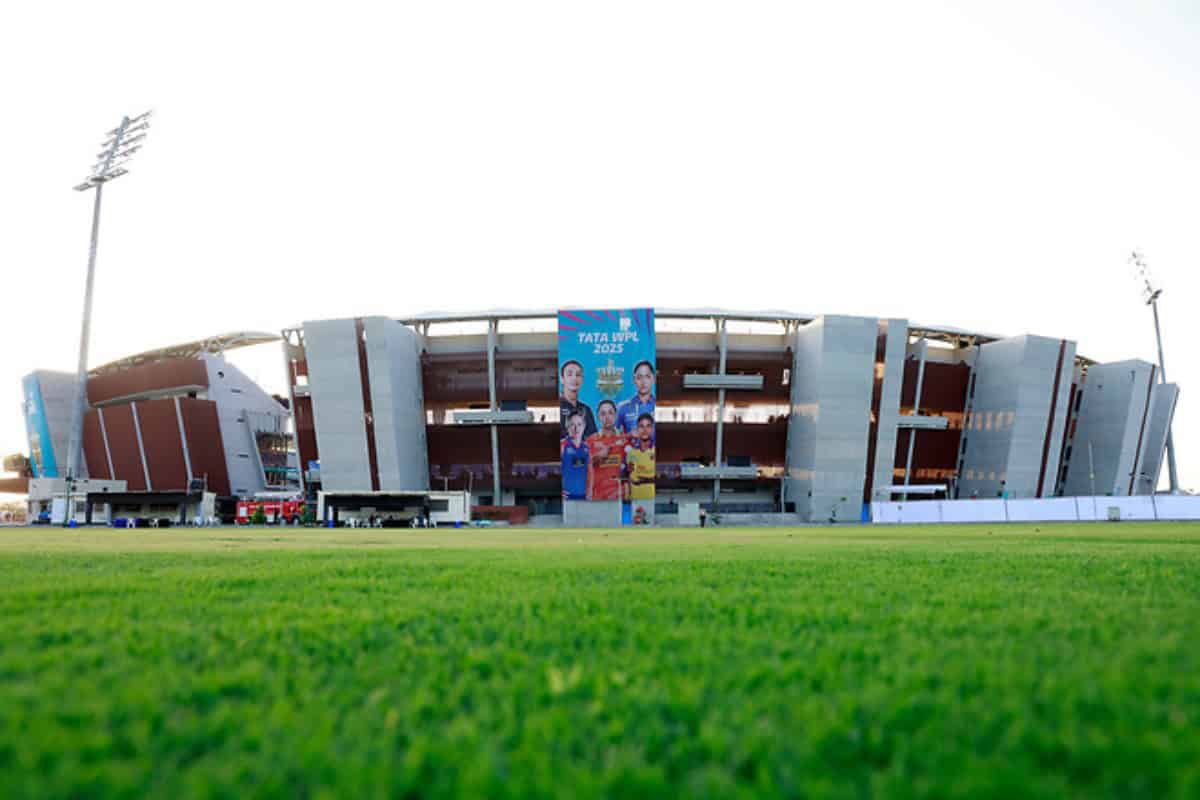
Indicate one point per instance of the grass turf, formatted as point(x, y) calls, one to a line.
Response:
point(969, 661)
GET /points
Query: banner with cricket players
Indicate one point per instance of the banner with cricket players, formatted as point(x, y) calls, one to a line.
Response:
point(607, 373)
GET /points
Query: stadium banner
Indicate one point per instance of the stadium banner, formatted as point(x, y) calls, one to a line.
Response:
point(37, 430)
point(607, 373)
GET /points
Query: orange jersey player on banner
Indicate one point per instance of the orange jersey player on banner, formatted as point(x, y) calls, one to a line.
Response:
point(607, 452)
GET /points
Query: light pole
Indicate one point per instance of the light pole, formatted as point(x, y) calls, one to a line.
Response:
point(118, 149)
point(1151, 295)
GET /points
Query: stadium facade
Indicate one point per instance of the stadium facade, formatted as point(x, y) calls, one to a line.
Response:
point(162, 429)
point(768, 412)
point(812, 415)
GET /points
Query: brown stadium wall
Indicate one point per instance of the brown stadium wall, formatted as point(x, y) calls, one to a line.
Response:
point(123, 445)
point(93, 447)
point(943, 393)
point(164, 450)
point(205, 445)
point(170, 374)
point(306, 434)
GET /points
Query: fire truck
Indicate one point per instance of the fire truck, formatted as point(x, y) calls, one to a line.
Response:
point(276, 512)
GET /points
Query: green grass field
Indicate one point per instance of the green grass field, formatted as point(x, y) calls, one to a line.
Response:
point(972, 661)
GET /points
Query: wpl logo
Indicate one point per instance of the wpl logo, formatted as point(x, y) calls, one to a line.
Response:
point(610, 379)
point(626, 323)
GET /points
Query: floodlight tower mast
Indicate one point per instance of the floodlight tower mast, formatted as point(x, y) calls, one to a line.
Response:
point(1151, 295)
point(118, 149)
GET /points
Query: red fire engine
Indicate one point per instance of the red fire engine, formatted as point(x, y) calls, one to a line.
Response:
point(277, 512)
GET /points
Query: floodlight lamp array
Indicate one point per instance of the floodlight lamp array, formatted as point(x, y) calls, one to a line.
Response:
point(117, 150)
point(1149, 293)
point(126, 143)
point(141, 120)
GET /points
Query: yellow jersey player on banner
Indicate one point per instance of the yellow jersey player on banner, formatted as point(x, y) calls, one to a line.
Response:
point(639, 460)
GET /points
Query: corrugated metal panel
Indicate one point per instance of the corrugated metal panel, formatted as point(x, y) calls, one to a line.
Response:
point(93, 447)
point(170, 374)
point(205, 445)
point(943, 389)
point(123, 444)
point(306, 435)
point(164, 451)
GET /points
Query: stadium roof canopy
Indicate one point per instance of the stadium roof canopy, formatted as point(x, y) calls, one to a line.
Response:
point(937, 332)
point(770, 315)
point(212, 344)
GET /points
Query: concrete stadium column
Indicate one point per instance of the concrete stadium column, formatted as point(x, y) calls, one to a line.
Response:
point(922, 351)
point(286, 349)
point(833, 375)
point(723, 345)
point(1110, 421)
point(1018, 414)
point(1160, 412)
point(394, 360)
point(493, 325)
point(137, 430)
point(335, 387)
point(888, 412)
point(104, 437)
point(1056, 421)
point(968, 405)
point(187, 456)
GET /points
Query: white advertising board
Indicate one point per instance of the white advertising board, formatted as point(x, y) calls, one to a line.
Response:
point(1048, 509)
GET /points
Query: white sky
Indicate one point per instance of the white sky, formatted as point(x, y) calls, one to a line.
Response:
point(987, 168)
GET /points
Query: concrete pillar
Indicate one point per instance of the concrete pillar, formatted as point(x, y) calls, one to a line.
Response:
point(491, 355)
point(922, 350)
point(286, 344)
point(723, 339)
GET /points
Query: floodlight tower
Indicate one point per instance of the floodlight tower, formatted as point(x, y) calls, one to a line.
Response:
point(1151, 295)
point(118, 149)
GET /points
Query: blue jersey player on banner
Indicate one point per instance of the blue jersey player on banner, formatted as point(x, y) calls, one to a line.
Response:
point(574, 459)
point(642, 402)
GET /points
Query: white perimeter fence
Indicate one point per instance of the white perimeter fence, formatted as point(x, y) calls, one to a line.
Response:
point(1050, 509)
